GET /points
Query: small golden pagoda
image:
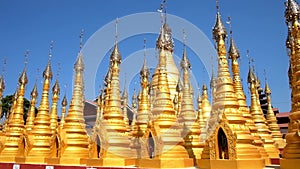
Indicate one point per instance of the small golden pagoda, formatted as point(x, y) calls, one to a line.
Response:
point(31, 112)
point(229, 142)
point(291, 152)
point(200, 121)
point(259, 119)
point(272, 121)
point(13, 142)
point(191, 128)
point(234, 54)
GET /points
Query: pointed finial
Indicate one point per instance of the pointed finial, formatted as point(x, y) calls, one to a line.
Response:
point(230, 26)
point(50, 50)
point(116, 27)
point(48, 72)
point(265, 75)
point(81, 39)
point(234, 53)
point(145, 49)
point(37, 74)
point(217, 6)
point(58, 70)
point(184, 38)
point(3, 66)
point(26, 58)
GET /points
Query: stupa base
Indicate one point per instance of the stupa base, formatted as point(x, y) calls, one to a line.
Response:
point(67, 161)
point(289, 163)
point(165, 163)
point(232, 164)
point(112, 162)
point(31, 160)
point(8, 159)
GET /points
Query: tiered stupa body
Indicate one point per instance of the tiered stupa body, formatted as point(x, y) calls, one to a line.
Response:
point(291, 152)
point(259, 119)
point(191, 128)
point(272, 121)
point(229, 138)
point(234, 54)
point(12, 143)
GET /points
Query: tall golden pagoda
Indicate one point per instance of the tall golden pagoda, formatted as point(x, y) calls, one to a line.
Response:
point(259, 119)
point(31, 111)
point(74, 137)
point(13, 142)
point(229, 143)
point(291, 152)
point(234, 54)
point(272, 121)
point(115, 150)
point(168, 144)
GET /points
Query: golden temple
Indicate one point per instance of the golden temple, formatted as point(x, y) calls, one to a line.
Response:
point(166, 130)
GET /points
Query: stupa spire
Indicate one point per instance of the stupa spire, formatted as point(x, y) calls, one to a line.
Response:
point(53, 112)
point(31, 111)
point(272, 121)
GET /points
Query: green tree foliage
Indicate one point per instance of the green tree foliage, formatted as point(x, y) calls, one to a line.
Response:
point(7, 102)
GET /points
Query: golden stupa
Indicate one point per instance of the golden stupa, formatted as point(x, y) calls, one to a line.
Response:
point(228, 136)
point(166, 130)
point(291, 152)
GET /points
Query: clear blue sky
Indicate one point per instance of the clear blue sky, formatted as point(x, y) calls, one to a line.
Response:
point(258, 26)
